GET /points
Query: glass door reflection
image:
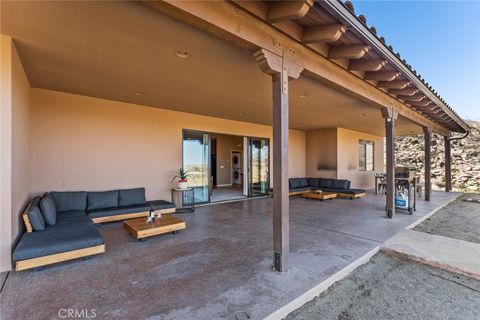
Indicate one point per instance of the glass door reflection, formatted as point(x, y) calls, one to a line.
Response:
point(196, 155)
point(259, 164)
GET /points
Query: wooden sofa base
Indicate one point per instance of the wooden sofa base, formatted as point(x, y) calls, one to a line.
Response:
point(351, 196)
point(58, 257)
point(129, 216)
point(339, 195)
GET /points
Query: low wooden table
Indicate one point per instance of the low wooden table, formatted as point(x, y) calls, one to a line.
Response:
point(140, 229)
point(319, 196)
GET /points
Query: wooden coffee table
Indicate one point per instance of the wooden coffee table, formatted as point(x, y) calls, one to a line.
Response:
point(319, 196)
point(140, 229)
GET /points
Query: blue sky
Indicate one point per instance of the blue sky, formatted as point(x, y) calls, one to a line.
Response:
point(440, 39)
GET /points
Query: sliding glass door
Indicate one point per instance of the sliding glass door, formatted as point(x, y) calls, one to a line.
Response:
point(196, 155)
point(259, 164)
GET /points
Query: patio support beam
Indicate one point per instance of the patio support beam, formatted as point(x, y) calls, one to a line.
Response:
point(427, 134)
point(390, 115)
point(281, 68)
point(448, 163)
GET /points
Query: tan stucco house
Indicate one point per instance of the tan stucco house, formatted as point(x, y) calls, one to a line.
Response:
point(103, 95)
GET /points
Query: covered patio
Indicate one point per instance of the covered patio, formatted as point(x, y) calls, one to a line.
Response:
point(220, 266)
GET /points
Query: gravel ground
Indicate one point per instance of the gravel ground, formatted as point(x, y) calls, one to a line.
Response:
point(391, 288)
point(459, 220)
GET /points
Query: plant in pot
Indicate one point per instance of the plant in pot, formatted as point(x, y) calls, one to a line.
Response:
point(182, 176)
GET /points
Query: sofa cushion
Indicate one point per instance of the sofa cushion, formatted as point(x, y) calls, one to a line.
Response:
point(49, 210)
point(102, 199)
point(290, 183)
point(294, 182)
point(105, 212)
point(340, 184)
point(325, 183)
point(303, 182)
point(313, 182)
point(72, 216)
point(128, 197)
point(70, 200)
point(57, 239)
point(35, 215)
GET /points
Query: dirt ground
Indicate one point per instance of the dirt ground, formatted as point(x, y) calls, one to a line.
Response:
point(391, 288)
point(459, 220)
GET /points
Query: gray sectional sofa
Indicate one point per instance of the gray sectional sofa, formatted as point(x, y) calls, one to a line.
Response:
point(298, 186)
point(61, 225)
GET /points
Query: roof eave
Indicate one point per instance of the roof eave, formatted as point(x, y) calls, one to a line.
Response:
point(335, 7)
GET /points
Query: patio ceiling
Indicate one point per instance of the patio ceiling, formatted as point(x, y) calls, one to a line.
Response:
point(126, 52)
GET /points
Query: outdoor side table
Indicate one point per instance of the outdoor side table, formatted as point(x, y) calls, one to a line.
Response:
point(184, 199)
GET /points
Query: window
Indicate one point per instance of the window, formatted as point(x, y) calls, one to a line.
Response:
point(365, 155)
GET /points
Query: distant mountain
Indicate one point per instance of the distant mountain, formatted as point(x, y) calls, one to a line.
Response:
point(465, 158)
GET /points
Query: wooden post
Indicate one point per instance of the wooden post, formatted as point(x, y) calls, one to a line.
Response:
point(281, 69)
point(427, 134)
point(448, 164)
point(280, 175)
point(390, 115)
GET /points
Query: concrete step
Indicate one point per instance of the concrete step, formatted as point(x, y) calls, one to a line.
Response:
point(446, 253)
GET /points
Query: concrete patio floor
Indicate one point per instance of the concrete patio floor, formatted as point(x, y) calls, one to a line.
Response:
point(219, 266)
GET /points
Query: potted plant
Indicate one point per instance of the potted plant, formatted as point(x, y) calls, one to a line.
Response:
point(182, 176)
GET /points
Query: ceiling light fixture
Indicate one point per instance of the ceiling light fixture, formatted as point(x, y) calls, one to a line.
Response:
point(181, 54)
point(240, 113)
point(139, 93)
point(303, 95)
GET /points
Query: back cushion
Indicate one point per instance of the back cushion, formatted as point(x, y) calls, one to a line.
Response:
point(130, 197)
point(325, 183)
point(70, 200)
point(290, 183)
point(35, 215)
point(294, 182)
point(313, 182)
point(49, 212)
point(102, 199)
point(340, 184)
point(303, 182)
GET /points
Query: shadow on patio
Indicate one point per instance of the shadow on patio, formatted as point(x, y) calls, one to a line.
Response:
point(219, 266)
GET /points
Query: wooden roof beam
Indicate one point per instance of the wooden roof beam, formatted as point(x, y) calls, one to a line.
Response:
point(382, 75)
point(410, 91)
point(395, 84)
point(422, 103)
point(366, 65)
point(288, 10)
point(415, 97)
point(348, 51)
point(322, 34)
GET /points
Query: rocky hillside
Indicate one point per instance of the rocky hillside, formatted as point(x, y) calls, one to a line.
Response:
point(465, 159)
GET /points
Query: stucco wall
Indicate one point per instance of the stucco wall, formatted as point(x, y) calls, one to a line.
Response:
point(321, 153)
point(21, 141)
point(14, 145)
point(348, 158)
point(5, 152)
point(84, 143)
